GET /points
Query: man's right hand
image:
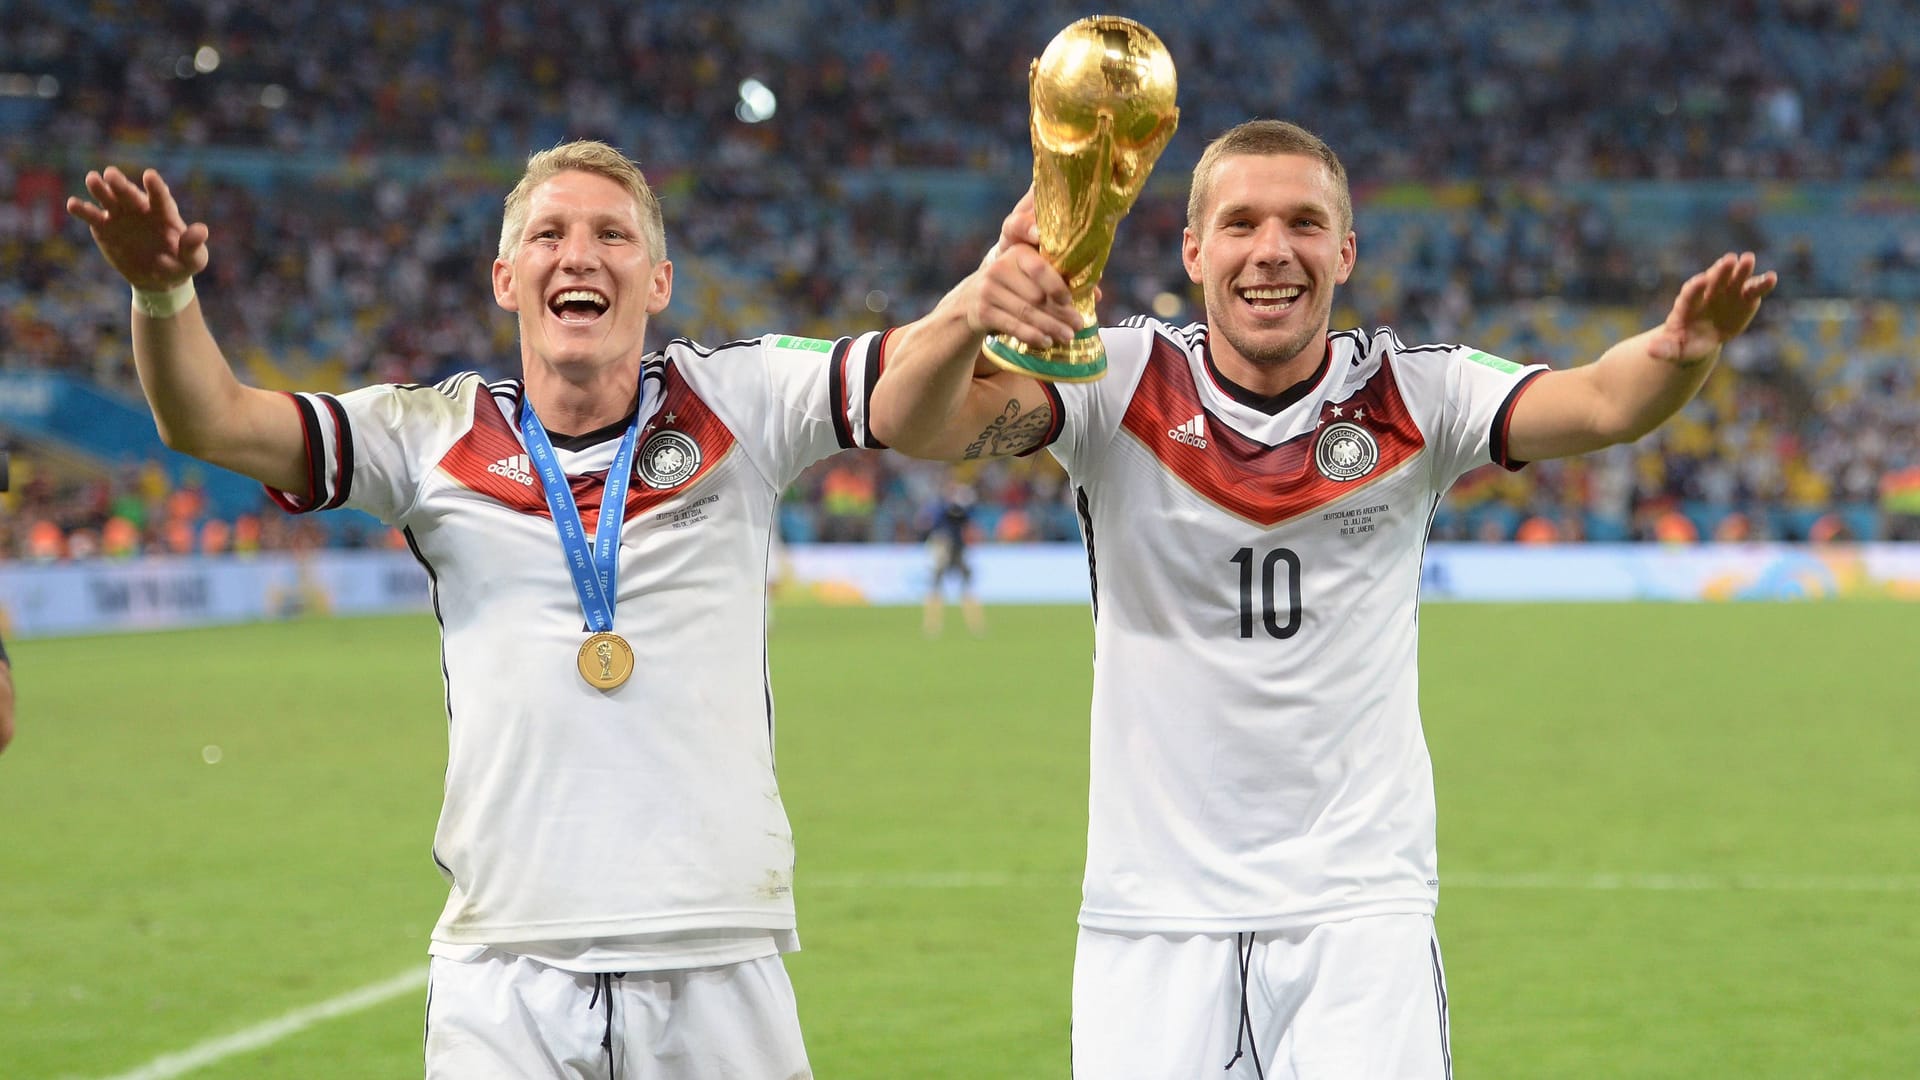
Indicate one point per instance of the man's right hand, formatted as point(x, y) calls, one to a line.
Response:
point(199, 408)
point(139, 229)
point(1019, 293)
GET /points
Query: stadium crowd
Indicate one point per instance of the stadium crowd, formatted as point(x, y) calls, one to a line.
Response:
point(349, 159)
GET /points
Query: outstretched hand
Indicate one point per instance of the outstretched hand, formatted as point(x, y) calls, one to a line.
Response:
point(139, 229)
point(1713, 307)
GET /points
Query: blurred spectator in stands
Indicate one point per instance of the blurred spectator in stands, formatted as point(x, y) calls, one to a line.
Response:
point(353, 173)
point(1830, 528)
point(1538, 529)
point(1901, 251)
point(849, 495)
point(1734, 528)
point(1900, 501)
point(119, 538)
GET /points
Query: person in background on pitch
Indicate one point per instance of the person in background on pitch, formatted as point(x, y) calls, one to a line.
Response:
point(619, 861)
point(6, 662)
point(6, 697)
point(1255, 492)
point(947, 541)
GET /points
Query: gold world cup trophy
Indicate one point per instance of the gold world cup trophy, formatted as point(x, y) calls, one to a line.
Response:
point(1102, 110)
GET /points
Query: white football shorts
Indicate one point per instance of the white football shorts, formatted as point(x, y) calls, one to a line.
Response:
point(1364, 999)
point(507, 1017)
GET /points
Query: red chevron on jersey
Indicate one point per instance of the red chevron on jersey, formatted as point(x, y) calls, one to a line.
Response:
point(681, 413)
point(683, 425)
point(1269, 484)
point(489, 441)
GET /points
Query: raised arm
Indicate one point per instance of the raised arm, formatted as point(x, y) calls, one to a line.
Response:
point(1640, 382)
point(937, 398)
point(199, 407)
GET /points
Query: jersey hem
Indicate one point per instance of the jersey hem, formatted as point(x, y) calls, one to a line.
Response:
point(691, 955)
point(1228, 924)
point(505, 934)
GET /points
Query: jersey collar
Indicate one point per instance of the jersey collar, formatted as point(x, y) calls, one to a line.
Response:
point(1273, 404)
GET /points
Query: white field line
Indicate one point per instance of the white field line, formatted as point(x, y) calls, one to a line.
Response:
point(1594, 882)
point(167, 1066)
point(1841, 883)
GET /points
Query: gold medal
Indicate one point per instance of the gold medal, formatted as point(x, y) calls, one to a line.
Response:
point(605, 660)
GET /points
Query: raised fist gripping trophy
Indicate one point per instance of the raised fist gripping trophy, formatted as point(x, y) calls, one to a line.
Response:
point(1102, 110)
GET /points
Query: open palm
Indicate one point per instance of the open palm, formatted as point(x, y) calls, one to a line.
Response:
point(1713, 307)
point(139, 229)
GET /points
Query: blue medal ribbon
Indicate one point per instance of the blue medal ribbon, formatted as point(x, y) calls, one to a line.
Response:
point(594, 569)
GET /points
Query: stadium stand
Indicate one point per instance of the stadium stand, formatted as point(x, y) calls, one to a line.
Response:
point(1512, 190)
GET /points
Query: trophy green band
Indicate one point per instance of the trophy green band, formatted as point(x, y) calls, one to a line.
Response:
point(1102, 110)
point(1014, 356)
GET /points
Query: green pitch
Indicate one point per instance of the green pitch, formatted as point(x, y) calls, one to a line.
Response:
point(1676, 841)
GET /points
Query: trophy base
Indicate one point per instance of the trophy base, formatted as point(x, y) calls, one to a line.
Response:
point(1083, 359)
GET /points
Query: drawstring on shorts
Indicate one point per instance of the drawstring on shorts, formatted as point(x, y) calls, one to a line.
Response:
point(603, 986)
point(1244, 1036)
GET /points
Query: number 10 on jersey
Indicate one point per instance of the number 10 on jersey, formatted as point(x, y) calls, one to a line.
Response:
point(1269, 610)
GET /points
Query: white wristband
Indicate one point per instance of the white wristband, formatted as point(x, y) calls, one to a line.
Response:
point(163, 303)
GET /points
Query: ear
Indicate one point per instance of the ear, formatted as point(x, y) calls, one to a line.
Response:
point(1349, 253)
point(503, 285)
point(1190, 255)
point(661, 289)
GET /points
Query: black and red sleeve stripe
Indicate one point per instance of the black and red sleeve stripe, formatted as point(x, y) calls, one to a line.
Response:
point(837, 393)
point(1054, 426)
point(342, 452)
point(328, 447)
point(876, 366)
point(1503, 423)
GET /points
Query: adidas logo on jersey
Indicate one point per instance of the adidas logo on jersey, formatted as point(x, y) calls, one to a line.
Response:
point(515, 467)
point(1193, 432)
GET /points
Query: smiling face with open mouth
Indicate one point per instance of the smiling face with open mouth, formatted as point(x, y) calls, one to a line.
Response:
point(581, 277)
point(1269, 251)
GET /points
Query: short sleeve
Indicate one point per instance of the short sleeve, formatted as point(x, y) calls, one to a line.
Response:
point(789, 400)
point(1464, 400)
point(370, 449)
point(1091, 412)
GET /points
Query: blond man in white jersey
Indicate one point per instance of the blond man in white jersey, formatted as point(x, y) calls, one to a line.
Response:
point(619, 862)
point(1255, 493)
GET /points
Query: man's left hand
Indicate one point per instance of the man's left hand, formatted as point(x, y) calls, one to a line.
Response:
point(1713, 307)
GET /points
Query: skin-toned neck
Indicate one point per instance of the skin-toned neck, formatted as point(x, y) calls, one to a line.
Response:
point(1268, 380)
point(588, 401)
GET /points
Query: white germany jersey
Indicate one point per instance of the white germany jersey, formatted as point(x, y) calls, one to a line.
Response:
point(571, 813)
point(1257, 757)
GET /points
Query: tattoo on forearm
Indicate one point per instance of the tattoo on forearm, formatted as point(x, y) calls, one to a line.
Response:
point(1011, 432)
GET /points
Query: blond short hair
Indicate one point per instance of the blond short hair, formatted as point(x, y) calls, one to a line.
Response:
point(1262, 138)
point(587, 156)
